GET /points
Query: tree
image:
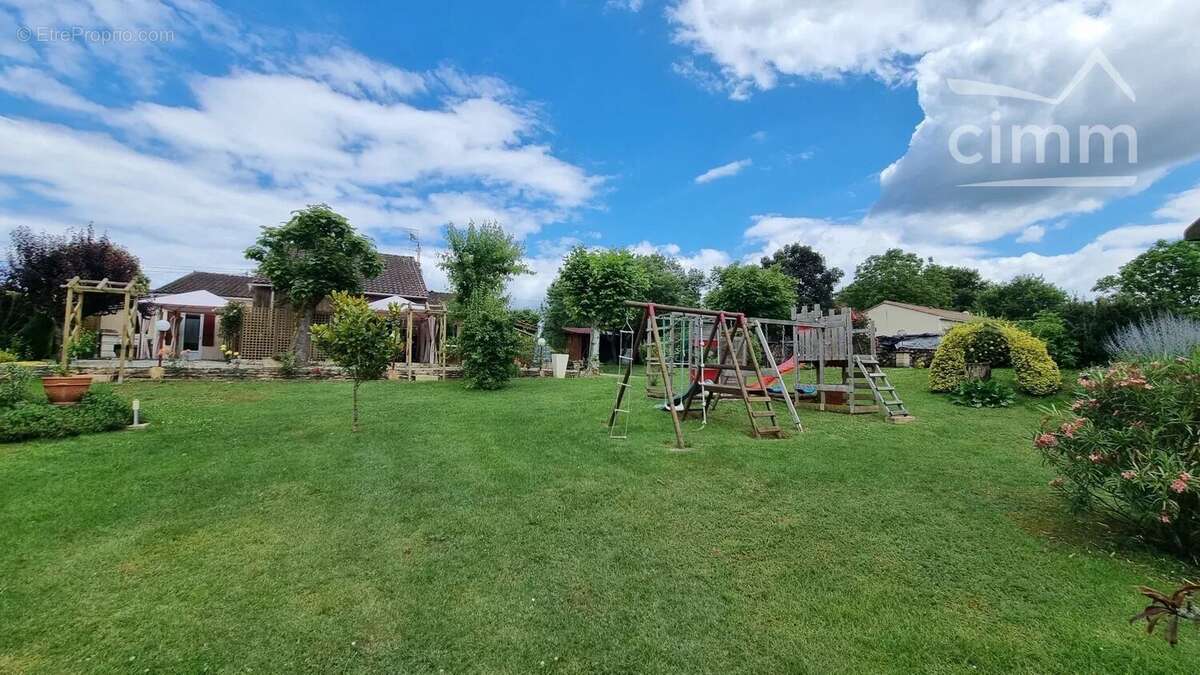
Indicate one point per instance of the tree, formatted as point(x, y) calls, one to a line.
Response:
point(38, 266)
point(358, 339)
point(764, 292)
point(965, 285)
point(814, 281)
point(1092, 322)
point(481, 259)
point(898, 276)
point(1021, 297)
point(591, 290)
point(489, 342)
point(1165, 278)
point(1050, 328)
point(310, 257)
point(668, 283)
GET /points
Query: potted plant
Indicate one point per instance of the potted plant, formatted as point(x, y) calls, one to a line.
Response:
point(65, 388)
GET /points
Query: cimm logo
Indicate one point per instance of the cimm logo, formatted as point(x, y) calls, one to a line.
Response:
point(1020, 136)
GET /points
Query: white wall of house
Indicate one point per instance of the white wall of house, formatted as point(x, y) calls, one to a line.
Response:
point(891, 320)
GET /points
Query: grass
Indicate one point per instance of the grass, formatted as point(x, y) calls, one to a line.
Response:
point(248, 529)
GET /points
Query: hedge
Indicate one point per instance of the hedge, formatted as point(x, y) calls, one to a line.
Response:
point(99, 410)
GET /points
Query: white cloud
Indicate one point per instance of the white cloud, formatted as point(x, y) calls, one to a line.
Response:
point(759, 136)
point(1031, 234)
point(723, 171)
point(195, 182)
point(739, 48)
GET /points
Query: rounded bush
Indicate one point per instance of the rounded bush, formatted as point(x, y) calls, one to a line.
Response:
point(984, 341)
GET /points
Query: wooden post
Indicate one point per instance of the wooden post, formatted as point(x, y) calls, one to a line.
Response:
point(67, 316)
point(408, 343)
point(662, 366)
point(126, 319)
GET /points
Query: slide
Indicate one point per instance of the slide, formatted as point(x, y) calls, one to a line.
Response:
point(678, 402)
point(785, 367)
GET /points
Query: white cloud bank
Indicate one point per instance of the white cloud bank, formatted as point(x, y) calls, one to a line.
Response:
point(1038, 46)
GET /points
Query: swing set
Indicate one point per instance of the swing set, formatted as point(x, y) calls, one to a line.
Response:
point(717, 351)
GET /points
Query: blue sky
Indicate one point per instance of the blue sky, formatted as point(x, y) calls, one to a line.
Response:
point(710, 130)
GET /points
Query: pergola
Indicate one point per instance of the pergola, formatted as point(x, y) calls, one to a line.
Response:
point(434, 314)
point(73, 318)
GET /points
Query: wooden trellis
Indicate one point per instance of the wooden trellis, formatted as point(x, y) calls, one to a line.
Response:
point(77, 290)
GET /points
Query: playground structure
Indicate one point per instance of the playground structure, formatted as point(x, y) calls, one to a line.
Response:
point(721, 355)
point(716, 350)
point(828, 342)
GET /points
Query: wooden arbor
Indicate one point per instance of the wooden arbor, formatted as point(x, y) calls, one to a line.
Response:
point(77, 290)
point(727, 329)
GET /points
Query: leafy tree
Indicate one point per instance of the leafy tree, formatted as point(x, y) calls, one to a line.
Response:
point(1021, 297)
point(481, 259)
point(308, 258)
point(489, 342)
point(965, 285)
point(1166, 277)
point(591, 290)
point(40, 263)
point(814, 281)
point(358, 339)
point(668, 283)
point(1050, 328)
point(755, 291)
point(1092, 322)
point(898, 276)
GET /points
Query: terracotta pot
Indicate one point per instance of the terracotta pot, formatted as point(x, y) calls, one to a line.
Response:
point(66, 390)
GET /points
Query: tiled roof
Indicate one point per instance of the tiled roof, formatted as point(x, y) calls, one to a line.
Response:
point(443, 297)
point(401, 276)
point(224, 285)
point(943, 313)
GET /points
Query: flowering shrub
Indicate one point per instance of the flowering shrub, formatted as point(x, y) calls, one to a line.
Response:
point(996, 343)
point(1130, 446)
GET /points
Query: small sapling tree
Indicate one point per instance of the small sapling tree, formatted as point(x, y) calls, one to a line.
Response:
point(357, 339)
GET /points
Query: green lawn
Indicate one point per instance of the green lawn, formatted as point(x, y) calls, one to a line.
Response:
point(248, 529)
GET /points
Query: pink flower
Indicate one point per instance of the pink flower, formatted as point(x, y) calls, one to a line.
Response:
point(1179, 485)
point(1164, 517)
point(1096, 457)
point(1129, 474)
point(1069, 428)
point(1046, 441)
point(1185, 476)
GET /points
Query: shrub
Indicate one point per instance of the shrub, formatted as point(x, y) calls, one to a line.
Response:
point(983, 341)
point(8, 357)
point(14, 384)
point(1131, 449)
point(288, 368)
point(488, 343)
point(99, 410)
point(83, 345)
point(357, 339)
point(232, 315)
point(983, 394)
point(1162, 337)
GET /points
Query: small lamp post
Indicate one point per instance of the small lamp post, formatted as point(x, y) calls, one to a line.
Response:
point(539, 353)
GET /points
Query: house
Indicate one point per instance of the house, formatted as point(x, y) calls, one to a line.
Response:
point(196, 298)
point(893, 319)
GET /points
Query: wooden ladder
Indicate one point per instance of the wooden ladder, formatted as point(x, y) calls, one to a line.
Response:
point(764, 421)
point(882, 388)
